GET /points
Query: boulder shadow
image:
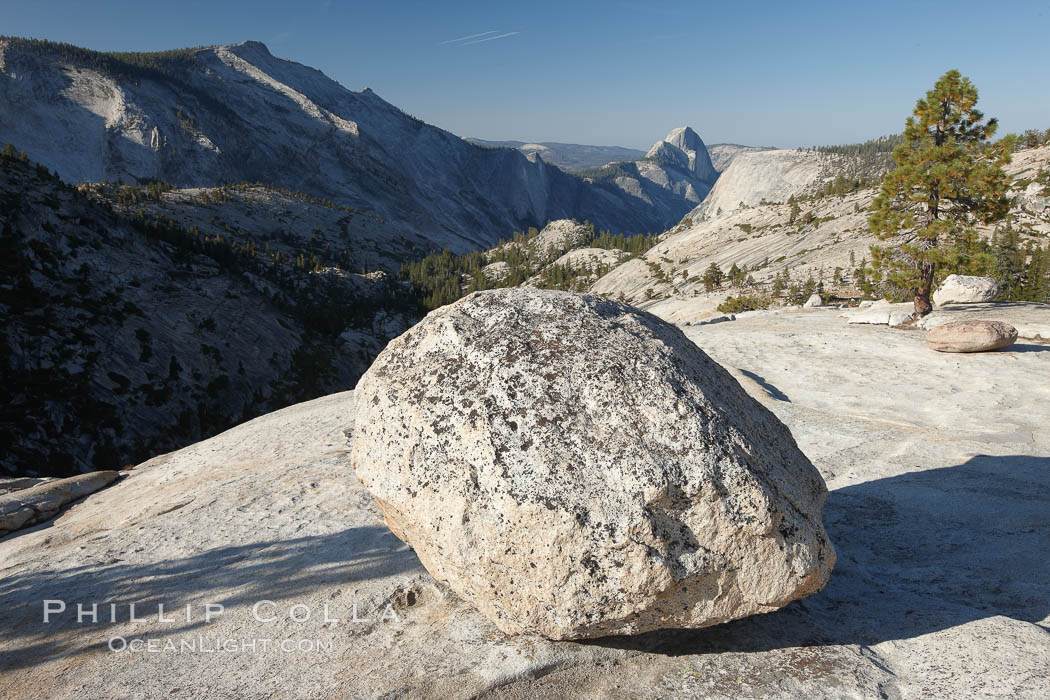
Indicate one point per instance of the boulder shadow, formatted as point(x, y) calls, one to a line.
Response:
point(989, 306)
point(279, 570)
point(1026, 347)
point(918, 553)
point(771, 390)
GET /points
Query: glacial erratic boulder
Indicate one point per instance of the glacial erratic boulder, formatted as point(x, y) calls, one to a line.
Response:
point(813, 301)
point(971, 336)
point(577, 468)
point(965, 289)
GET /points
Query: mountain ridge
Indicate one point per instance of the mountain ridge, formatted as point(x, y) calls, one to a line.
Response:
point(567, 156)
point(236, 113)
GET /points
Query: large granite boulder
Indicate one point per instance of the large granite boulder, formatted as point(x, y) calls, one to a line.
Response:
point(971, 336)
point(577, 468)
point(965, 289)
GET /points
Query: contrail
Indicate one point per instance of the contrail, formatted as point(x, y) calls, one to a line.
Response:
point(472, 36)
point(491, 38)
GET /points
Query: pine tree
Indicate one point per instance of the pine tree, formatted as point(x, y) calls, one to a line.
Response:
point(735, 276)
point(1009, 263)
point(1036, 286)
point(780, 281)
point(713, 277)
point(949, 176)
point(741, 277)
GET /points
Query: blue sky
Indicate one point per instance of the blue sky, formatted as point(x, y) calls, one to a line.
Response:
point(615, 73)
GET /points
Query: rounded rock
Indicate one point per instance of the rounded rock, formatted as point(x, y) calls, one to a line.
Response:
point(577, 468)
point(971, 336)
point(965, 289)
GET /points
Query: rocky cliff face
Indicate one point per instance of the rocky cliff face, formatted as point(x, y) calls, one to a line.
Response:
point(722, 154)
point(753, 177)
point(237, 113)
point(138, 319)
point(685, 148)
point(126, 337)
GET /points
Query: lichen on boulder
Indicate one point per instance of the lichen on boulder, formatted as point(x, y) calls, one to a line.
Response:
point(578, 468)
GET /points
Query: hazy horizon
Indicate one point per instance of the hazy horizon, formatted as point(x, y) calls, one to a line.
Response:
point(616, 74)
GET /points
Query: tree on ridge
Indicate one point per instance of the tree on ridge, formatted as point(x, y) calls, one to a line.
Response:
point(949, 177)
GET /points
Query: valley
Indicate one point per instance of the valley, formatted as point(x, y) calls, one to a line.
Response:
point(182, 229)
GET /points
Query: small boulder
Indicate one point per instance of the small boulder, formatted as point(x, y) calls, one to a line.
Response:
point(813, 301)
point(900, 318)
point(29, 506)
point(965, 289)
point(716, 319)
point(577, 468)
point(971, 336)
point(878, 316)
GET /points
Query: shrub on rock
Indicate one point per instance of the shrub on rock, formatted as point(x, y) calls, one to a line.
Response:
point(577, 468)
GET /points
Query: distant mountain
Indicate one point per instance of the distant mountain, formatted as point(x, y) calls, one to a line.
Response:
point(567, 156)
point(683, 148)
point(573, 157)
point(225, 114)
point(674, 176)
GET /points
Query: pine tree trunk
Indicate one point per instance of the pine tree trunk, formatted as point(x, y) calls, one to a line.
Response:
point(926, 273)
point(922, 302)
point(926, 267)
